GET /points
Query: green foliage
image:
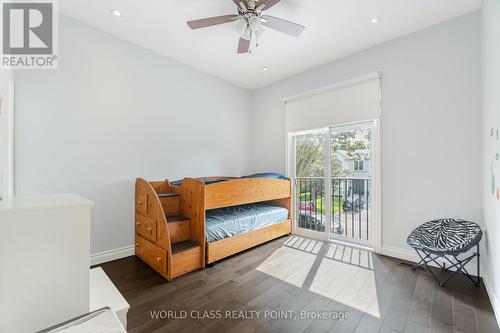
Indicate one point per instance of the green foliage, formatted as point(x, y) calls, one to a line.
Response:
point(310, 151)
point(310, 155)
point(337, 202)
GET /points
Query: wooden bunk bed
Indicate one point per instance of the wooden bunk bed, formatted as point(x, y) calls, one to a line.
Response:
point(170, 220)
point(276, 192)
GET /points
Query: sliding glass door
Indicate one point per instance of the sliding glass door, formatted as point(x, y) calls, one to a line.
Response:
point(333, 171)
point(310, 167)
point(351, 186)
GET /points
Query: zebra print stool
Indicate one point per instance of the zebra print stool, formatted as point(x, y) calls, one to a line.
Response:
point(446, 239)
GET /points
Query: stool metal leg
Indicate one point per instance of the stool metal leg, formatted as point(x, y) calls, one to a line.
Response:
point(459, 265)
point(478, 266)
point(418, 264)
point(425, 261)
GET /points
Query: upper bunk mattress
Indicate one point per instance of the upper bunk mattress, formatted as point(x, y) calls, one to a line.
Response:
point(223, 179)
point(231, 221)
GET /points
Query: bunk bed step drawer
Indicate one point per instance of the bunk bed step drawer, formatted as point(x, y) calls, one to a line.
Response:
point(179, 229)
point(146, 227)
point(170, 205)
point(141, 203)
point(151, 254)
point(187, 256)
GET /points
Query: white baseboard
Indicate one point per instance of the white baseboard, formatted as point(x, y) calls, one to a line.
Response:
point(110, 255)
point(493, 299)
point(399, 253)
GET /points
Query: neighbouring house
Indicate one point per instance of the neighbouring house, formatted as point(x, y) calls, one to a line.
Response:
point(356, 164)
point(356, 168)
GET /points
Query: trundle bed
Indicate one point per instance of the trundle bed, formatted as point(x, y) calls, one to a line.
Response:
point(184, 225)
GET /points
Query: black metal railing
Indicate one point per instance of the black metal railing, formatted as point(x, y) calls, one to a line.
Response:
point(310, 203)
point(350, 213)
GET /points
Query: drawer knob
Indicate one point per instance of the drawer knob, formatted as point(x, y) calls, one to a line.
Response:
point(139, 202)
point(158, 259)
point(137, 244)
point(138, 223)
point(150, 229)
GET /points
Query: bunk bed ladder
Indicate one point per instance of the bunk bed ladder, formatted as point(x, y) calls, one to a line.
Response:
point(175, 221)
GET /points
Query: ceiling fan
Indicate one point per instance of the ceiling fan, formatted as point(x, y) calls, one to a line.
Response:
point(250, 22)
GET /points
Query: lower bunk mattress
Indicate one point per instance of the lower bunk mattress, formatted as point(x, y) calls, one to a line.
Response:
point(231, 221)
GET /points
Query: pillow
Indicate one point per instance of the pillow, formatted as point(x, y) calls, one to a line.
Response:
point(177, 182)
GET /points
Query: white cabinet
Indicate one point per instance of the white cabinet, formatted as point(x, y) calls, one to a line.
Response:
point(44, 261)
point(104, 293)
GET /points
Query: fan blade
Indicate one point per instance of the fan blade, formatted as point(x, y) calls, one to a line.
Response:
point(284, 26)
point(207, 22)
point(244, 46)
point(240, 4)
point(268, 3)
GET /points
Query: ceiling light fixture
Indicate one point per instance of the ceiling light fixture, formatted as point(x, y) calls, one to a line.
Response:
point(376, 19)
point(250, 21)
point(246, 26)
point(265, 68)
point(116, 12)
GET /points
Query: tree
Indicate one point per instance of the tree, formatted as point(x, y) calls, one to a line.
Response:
point(310, 160)
point(310, 155)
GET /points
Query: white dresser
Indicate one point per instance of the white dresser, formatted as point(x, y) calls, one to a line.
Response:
point(44, 260)
point(104, 293)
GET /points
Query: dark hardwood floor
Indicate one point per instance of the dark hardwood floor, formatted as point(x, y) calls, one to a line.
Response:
point(296, 277)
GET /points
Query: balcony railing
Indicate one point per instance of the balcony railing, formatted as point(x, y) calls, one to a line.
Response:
point(350, 199)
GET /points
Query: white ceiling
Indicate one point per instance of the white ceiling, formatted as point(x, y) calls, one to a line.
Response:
point(335, 28)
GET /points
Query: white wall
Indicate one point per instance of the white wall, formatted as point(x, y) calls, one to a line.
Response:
point(6, 88)
point(430, 126)
point(125, 112)
point(114, 111)
point(491, 119)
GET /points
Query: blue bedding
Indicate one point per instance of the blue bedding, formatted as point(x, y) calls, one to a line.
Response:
point(266, 175)
point(231, 221)
point(257, 175)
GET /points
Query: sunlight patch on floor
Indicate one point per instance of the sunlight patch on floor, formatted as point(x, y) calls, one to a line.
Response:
point(338, 272)
point(291, 265)
point(350, 255)
point(347, 284)
point(304, 244)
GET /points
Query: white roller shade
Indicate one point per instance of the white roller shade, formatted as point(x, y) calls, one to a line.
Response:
point(347, 102)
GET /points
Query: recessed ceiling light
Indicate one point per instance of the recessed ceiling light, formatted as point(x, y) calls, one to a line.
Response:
point(376, 19)
point(265, 68)
point(116, 12)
